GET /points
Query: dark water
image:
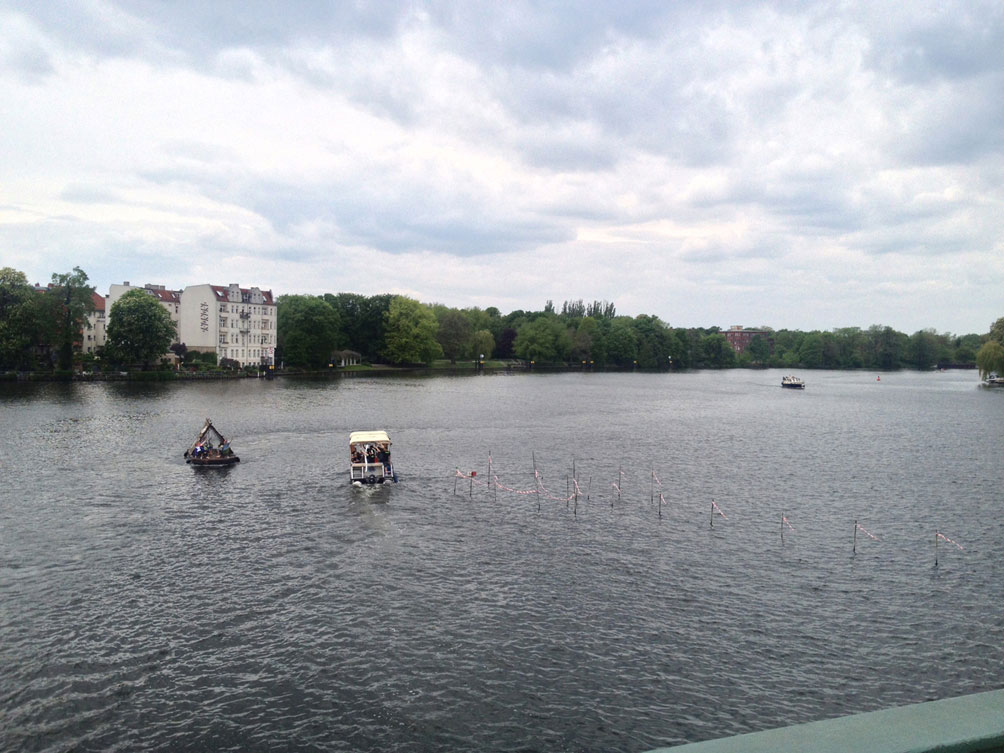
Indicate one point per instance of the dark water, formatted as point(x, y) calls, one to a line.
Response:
point(145, 604)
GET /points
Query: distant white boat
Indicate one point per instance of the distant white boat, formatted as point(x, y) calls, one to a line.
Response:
point(993, 380)
point(792, 383)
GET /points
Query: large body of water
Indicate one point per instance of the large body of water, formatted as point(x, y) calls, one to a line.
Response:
point(148, 605)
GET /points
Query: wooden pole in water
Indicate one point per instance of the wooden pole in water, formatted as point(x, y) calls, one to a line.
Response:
point(567, 495)
point(936, 536)
point(712, 513)
point(651, 488)
point(575, 478)
point(589, 485)
point(782, 529)
point(855, 551)
point(470, 492)
point(536, 479)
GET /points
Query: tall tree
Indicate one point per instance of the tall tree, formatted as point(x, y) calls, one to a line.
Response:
point(990, 359)
point(622, 342)
point(997, 331)
point(70, 301)
point(454, 333)
point(759, 349)
point(306, 331)
point(410, 333)
point(17, 318)
point(139, 329)
point(482, 343)
point(717, 352)
point(923, 349)
point(506, 343)
point(544, 339)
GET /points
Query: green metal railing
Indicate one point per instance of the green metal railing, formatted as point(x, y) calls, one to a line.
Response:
point(967, 724)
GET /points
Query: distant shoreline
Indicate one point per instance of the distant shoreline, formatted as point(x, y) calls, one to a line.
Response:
point(380, 371)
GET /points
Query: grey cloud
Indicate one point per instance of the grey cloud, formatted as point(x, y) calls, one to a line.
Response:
point(198, 30)
point(402, 220)
point(920, 42)
point(956, 126)
point(31, 64)
point(87, 193)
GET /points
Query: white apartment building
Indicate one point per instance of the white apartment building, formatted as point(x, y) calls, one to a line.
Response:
point(169, 299)
point(234, 322)
point(94, 335)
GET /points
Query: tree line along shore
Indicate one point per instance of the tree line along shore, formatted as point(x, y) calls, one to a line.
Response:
point(41, 330)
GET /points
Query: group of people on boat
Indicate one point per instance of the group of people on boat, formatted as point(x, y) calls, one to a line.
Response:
point(371, 454)
point(206, 450)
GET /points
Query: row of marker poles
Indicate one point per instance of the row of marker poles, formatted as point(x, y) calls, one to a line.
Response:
point(938, 536)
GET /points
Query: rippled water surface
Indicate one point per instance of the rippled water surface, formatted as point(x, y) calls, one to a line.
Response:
point(145, 604)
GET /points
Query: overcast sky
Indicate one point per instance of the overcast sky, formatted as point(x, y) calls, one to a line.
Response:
point(807, 165)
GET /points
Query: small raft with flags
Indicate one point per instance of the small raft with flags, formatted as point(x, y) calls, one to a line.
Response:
point(210, 448)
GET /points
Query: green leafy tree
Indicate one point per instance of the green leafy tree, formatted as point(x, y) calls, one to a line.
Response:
point(307, 331)
point(454, 334)
point(990, 359)
point(997, 331)
point(759, 349)
point(68, 300)
point(622, 342)
point(410, 334)
point(139, 329)
point(887, 347)
point(851, 345)
point(923, 349)
point(506, 342)
point(482, 342)
point(655, 341)
point(584, 339)
point(964, 349)
point(717, 352)
point(18, 322)
point(810, 351)
point(362, 321)
point(544, 339)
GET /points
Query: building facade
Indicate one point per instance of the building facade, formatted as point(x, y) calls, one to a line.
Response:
point(93, 336)
point(233, 322)
point(169, 299)
point(740, 338)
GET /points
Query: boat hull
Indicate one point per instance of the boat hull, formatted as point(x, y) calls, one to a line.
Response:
point(213, 462)
point(386, 476)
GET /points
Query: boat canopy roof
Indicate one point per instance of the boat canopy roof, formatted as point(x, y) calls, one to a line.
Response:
point(368, 437)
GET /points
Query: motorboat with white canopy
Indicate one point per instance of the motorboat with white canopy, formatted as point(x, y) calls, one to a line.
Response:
point(369, 458)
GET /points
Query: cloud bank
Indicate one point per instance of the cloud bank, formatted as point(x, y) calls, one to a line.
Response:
point(804, 165)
